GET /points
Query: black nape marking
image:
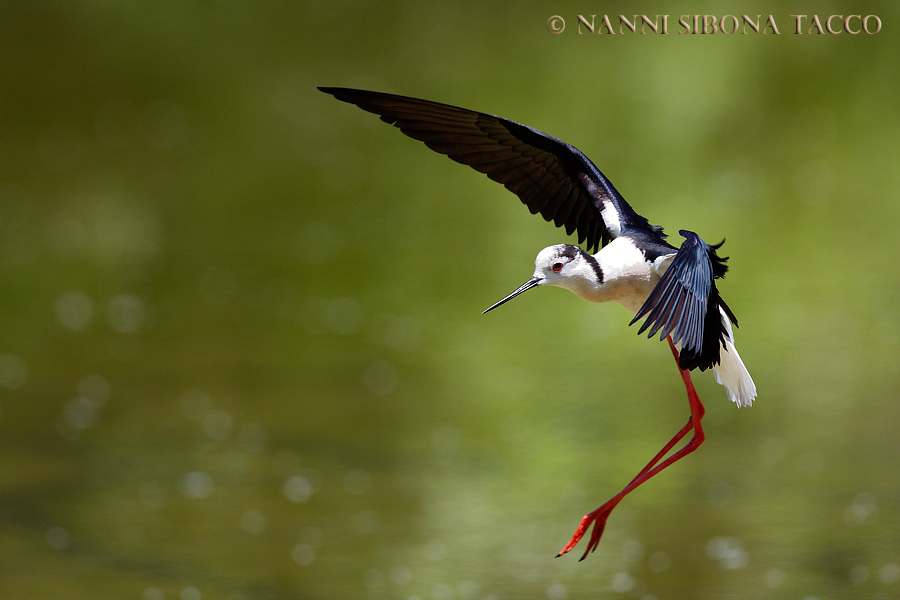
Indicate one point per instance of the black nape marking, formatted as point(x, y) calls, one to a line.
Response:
point(571, 252)
point(568, 251)
point(594, 265)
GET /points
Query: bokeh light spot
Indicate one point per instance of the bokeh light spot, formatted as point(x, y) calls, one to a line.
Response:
point(298, 488)
point(58, 538)
point(74, 310)
point(303, 554)
point(253, 521)
point(127, 313)
point(197, 484)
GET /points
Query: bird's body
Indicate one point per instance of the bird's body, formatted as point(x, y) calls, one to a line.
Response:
point(623, 274)
point(619, 272)
point(626, 271)
point(673, 288)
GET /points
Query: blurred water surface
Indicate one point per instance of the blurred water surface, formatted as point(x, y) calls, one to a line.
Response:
point(241, 354)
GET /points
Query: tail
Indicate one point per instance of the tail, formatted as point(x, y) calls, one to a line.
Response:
point(731, 372)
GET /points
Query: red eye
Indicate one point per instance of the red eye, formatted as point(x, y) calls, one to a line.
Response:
point(557, 266)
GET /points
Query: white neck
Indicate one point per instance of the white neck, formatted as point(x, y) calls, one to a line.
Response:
point(627, 279)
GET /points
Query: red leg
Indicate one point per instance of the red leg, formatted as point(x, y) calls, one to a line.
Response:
point(599, 516)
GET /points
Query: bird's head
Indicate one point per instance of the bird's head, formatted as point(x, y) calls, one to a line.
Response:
point(563, 265)
point(554, 265)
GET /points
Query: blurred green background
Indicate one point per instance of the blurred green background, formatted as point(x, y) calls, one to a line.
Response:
point(241, 354)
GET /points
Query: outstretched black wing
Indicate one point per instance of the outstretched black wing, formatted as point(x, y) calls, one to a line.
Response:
point(685, 304)
point(550, 176)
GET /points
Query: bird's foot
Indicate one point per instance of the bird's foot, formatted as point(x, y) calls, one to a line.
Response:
point(598, 519)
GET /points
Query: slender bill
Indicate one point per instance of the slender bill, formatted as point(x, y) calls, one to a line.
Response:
point(534, 281)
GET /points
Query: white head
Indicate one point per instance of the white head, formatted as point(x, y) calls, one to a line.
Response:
point(563, 265)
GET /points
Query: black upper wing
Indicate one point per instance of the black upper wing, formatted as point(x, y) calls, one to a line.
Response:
point(550, 176)
point(685, 303)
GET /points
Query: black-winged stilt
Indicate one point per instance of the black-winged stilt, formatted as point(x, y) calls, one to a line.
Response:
point(674, 288)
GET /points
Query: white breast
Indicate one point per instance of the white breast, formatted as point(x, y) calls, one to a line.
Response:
point(627, 277)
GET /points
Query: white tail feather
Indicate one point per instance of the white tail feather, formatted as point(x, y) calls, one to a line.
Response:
point(731, 372)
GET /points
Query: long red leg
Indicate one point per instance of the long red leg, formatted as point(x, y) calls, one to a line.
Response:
point(599, 516)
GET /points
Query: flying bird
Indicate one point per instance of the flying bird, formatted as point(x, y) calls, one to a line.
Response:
point(625, 260)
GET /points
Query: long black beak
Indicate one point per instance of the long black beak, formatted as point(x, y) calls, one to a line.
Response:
point(534, 281)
